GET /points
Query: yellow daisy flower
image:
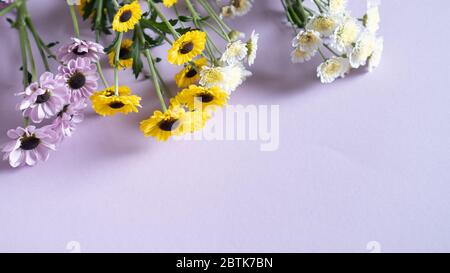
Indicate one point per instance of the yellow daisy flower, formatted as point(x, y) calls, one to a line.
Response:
point(187, 47)
point(162, 126)
point(196, 96)
point(82, 5)
point(195, 119)
point(127, 17)
point(106, 103)
point(125, 59)
point(190, 75)
point(169, 3)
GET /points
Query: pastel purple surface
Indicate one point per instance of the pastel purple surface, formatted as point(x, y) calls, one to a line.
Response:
point(364, 159)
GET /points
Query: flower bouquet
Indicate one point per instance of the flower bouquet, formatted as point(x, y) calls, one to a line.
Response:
point(52, 103)
point(343, 41)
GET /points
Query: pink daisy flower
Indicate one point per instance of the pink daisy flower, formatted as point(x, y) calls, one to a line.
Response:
point(80, 77)
point(29, 145)
point(80, 49)
point(43, 99)
point(67, 119)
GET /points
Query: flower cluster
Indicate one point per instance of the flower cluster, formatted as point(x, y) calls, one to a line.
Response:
point(59, 98)
point(208, 75)
point(53, 101)
point(351, 42)
point(56, 101)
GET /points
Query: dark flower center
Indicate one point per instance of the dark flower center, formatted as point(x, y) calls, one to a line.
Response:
point(43, 98)
point(206, 97)
point(63, 110)
point(76, 81)
point(169, 125)
point(116, 104)
point(125, 53)
point(191, 73)
point(186, 48)
point(126, 15)
point(76, 52)
point(109, 93)
point(29, 142)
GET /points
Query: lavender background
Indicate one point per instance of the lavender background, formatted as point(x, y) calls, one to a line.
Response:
point(365, 159)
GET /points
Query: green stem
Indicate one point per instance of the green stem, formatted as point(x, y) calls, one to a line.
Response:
point(102, 76)
point(175, 9)
point(222, 26)
point(73, 15)
point(331, 50)
point(98, 20)
point(152, 5)
point(115, 4)
point(23, 48)
point(38, 42)
point(30, 54)
point(319, 6)
point(214, 15)
point(322, 55)
point(153, 70)
point(8, 9)
point(116, 64)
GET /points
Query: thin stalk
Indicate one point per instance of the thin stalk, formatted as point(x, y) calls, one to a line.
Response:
point(213, 14)
point(8, 9)
point(73, 15)
point(23, 51)
point(167, 90)
point(222, 26)
point(38, 42)
point(102, 76)
point(30, 54)
point(322, 55)
point(115, 3)
point(23, 48)
point(153, 70)
point(116, 64)
point(319, 6)
point(331, 50)
point(98, 20)
point(163, 18)
point(175, 9)
point(215, 30)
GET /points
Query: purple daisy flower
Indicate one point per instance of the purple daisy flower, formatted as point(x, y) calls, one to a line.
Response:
point(68, 118)
point(29, 145)
point(80, 76)
point(43, 99)
point(80, 49)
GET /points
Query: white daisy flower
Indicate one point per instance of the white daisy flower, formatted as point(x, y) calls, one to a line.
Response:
point(372, 17)
point(363, 49)
point(235, 52)
point(236, 8)
point(299, 56)
point(227, 78)
point(324, 24)
point(337, 6)
point(307, 40)
point(346, 34)
point(333, 68)
point(375, 58)
point(252, 48)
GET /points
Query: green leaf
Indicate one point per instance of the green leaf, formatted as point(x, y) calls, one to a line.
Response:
point(136, 55)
